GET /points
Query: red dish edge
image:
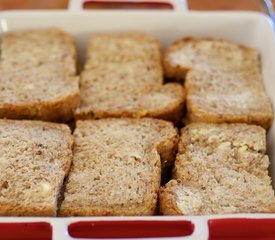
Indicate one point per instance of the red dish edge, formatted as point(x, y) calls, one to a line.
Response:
point(26, 231)
point(97, 4)
point(241, 229)
point(130, 229)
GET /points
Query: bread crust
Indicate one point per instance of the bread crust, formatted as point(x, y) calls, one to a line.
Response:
point(56, 110)
point(27, 211)
point(173, 112)
point(168, 200)
point(196, 114)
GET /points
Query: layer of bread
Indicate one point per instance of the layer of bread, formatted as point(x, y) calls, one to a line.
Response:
point(38, 76)
point(42, 47)
point(35, 157)
point(116, 167)
point(219, 97)
point(220, 168)
point(123, 77)
point(223, 81)
point(208, 54)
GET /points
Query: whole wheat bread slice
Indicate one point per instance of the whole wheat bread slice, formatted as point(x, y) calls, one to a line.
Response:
point(121, 48)
point(223, 81)
point(207, 55)
point(35, 157)
point(116, 168)
point(220, 168)
point(37, 76)
point(36, 48)
point(123, 78)
point(228, 97)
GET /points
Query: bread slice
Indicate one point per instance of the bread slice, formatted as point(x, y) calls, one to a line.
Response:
point(122, 48)
point(116, 167)
point(228, 97)
point(49, 47)
point(34, 159)
point(177, 198)
point(123, 78)
point(38, 95)
point(223, 81)
point(207, 55)
point(37, 76)
point(220, 168)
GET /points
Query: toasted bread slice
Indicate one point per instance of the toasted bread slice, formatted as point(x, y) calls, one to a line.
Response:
point(223, 81)
point(123, 78)
point(37, 76)
point(206, 55)
point(35, 158)
point(38, 95)
point(221, 168)
point(116, 167)
point(248, 194)
point(36, 48)
point(228, 97)
point(122, 48)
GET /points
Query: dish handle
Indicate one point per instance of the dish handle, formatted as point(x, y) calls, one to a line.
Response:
point(174, 5)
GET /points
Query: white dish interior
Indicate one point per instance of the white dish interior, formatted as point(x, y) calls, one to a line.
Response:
point(251, 29)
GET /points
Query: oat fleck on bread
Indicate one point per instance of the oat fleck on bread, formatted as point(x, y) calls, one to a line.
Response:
point(220, 168)
point(34, 159)
point(116, 167)
point(37, 76)
point(123, 77)
point(223, 81)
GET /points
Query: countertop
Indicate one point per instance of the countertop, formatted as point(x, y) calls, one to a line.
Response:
point(255, 5)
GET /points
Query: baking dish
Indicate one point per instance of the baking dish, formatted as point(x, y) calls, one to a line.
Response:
point(252, 29)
